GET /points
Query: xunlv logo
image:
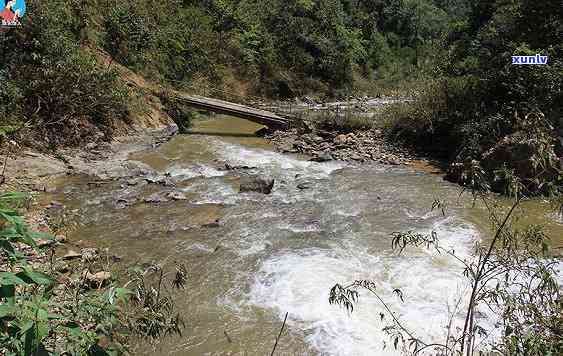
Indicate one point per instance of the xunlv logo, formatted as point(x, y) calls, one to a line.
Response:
point(537, 59)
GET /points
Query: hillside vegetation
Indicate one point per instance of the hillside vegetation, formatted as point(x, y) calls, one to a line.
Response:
point(54, 82)
point(489, 117)
point(454, 55)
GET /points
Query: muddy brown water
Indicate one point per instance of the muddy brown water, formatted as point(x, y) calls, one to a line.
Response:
point(283, 252)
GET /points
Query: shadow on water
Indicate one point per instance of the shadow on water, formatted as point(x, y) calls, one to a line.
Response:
point(221, 134)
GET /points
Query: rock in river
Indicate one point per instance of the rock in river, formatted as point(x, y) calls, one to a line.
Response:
point(303, 185)
point(323, 157)
point(256, 184)
point(156, 198)
point(176, 196)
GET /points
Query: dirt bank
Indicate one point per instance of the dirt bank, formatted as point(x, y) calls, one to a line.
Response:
point(28, 170)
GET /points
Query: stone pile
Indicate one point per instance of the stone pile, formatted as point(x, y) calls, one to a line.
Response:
point(358, 146)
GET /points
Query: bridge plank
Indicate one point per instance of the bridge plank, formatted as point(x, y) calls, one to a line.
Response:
point(262, 117)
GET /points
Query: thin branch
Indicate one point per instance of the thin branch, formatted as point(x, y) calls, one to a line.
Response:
point(482, 262)
point(279, 335)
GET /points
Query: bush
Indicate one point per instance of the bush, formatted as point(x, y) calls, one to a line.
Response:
point(186, 46)
point(450, 120)
point(129, 35)
point(343, 120)
point(27, 321)
point(481, 98)
point(53, 85)
point(182, 114)
point(43, 311)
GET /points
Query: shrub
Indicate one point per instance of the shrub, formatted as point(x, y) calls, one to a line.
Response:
point(182, 114)
point(129, 35)
point(53, 85)
point(27, 321)
point(44, 312)
point(344, 120)
point(186, 46)
point(450, 120)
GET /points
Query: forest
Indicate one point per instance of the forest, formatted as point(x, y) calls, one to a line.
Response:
point(454, 55)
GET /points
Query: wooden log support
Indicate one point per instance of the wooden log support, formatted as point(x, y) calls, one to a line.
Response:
point(261, 117)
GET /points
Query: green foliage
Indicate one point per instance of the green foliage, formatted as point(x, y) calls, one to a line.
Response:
point(481, 99)
point(53, 85)
point(128, 34)
point(41, 314)
point(171, 41)
point(342, 120)
point(186, 45)
point(154, 314)
point(280, 47)
point(26, 317)
point(182, 114)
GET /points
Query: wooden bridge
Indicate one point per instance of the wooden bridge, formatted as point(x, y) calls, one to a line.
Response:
point(262, 117)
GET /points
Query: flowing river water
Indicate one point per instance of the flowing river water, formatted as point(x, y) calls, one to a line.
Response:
point(278, 253)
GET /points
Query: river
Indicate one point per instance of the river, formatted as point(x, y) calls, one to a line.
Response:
point(278, 253)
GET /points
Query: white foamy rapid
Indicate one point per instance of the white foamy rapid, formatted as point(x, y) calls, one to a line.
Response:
point(194, 171)
point(297, 279)
point(275, 163)
point(298, 282)
point(212, 192)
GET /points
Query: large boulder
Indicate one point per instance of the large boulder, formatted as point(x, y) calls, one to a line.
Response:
point(256, 184)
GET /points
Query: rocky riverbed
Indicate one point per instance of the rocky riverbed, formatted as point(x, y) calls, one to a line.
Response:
point(37, 173)
point(359, 146)
point(261, 233)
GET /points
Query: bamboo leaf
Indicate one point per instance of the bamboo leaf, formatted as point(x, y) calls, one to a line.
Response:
point(8, 278)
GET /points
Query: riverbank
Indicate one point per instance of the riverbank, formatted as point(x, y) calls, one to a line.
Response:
point(77, 292)
point(357, 146)
point(35, 173)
